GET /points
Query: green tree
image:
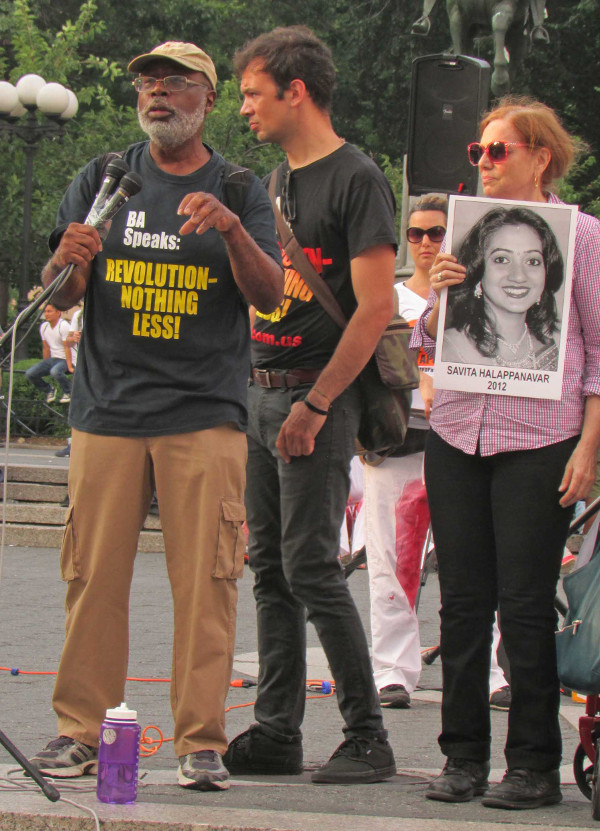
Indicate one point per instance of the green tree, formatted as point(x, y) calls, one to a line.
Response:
point(64, 57)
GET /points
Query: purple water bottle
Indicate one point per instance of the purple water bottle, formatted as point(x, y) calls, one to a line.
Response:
point(118, 756)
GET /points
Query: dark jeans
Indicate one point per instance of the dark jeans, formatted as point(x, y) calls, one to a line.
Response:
point(499, 534)
point(294, 513)
point(56, 368)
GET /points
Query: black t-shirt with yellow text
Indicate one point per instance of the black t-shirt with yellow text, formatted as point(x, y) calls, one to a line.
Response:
point(165, 345)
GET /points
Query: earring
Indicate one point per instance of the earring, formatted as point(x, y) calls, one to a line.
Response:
point(478, 291)
point(536, 181)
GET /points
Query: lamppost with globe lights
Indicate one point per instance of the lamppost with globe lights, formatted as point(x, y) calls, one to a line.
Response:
point(18, 117)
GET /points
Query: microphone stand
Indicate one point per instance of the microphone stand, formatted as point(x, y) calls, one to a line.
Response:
point(47, 788)
point(133, 185)
point(49, 791)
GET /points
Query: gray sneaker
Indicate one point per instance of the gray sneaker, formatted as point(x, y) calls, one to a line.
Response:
point(203, 771)
point(65, 758)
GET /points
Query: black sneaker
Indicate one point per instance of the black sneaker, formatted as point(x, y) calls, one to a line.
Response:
point(255, 752)
point(500, 699)
point(525, 788)
point(65, 451)
point(395, 696)
point(460, 781)
point(358, 761)
point(203, 771)
point(64, 758)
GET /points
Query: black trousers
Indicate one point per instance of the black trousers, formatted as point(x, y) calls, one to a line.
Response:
point(499, 534)
point(294, 515)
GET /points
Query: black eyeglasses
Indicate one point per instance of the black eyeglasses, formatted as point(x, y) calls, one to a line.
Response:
point(497, 151)
point(172, 83)
point(435, 234)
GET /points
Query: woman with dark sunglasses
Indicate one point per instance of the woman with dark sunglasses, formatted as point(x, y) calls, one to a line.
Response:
point(504, 312)
point(503, 474)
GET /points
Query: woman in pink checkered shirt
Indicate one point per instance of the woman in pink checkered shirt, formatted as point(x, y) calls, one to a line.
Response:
point(503, 474)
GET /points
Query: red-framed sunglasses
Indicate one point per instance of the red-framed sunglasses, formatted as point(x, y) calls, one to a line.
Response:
point(497, 151)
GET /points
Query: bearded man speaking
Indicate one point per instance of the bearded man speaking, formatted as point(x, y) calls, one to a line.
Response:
point(159, 401)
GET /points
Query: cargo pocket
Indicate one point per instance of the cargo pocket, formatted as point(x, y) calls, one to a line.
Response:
point(231, 544)
point(69, 556)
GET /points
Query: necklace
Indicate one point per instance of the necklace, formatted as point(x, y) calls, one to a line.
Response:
point(526, 361)
point(514, 347)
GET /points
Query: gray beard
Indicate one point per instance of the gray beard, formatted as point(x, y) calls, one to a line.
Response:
point(174, 132)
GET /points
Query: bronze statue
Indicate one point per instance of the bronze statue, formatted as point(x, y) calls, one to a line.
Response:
point(510, 22)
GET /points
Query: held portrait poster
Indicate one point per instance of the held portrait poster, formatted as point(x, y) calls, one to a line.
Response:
point(503, 330)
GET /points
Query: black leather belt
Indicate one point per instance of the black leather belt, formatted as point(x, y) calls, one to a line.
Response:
point(284, 378)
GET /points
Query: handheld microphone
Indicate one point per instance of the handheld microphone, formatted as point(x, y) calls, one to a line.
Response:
point(114, 172)
point(129, 185)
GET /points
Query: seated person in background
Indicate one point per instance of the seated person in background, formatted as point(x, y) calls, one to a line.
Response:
point(56, 357)
point(72, 341)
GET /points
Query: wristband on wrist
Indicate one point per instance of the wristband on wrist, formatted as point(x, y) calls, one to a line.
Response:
point(314, 409)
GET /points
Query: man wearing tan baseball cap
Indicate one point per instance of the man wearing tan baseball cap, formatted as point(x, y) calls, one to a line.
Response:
point(184, 54)
point(159, 401)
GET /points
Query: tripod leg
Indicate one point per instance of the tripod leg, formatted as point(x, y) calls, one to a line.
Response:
point(49, 790)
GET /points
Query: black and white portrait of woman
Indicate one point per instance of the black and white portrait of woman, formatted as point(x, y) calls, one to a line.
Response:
point(505, 312)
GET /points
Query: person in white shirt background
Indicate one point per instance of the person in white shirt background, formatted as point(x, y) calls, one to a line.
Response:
point(56, 357)
point(72, 341)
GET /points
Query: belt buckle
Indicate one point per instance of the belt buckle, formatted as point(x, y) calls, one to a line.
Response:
point(264, 373)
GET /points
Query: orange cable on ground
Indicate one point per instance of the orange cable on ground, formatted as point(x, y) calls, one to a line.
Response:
point(149, 746)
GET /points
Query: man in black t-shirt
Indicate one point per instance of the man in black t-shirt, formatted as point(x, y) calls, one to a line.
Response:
point(159, 400)
point(304, 411)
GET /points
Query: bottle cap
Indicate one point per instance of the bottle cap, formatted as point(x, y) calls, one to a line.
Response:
point(122, 713)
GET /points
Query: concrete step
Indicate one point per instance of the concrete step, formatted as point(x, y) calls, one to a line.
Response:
point(46, 474)
point(38, 513)
point(49, 513)
point(33, 492)
point(50, 536)
point(35, 517)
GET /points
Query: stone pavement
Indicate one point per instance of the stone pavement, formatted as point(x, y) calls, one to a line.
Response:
point(31, 629)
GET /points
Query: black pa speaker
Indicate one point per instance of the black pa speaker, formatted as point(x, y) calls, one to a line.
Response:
point(448, 96)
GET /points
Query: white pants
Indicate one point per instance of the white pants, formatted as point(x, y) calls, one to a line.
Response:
point(394, 624)
point(396, 646)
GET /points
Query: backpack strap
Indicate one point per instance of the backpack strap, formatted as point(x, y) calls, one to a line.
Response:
point(236, 181)
point(300, 261)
